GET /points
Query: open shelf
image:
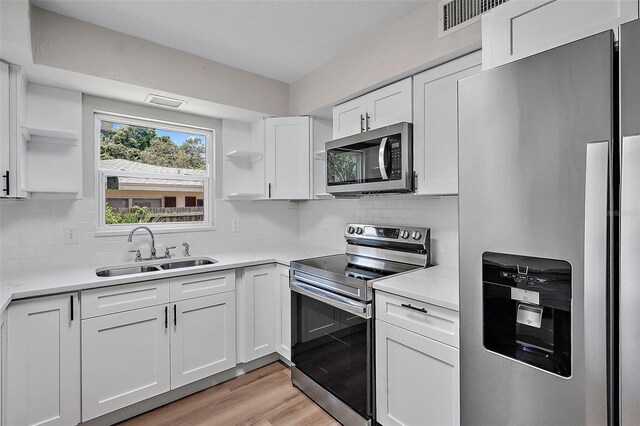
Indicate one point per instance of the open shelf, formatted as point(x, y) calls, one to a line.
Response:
point(51, 193)
point(244, 196)
point(53, 136)
point(319, 155)
point(325, 196)
point(249, 156)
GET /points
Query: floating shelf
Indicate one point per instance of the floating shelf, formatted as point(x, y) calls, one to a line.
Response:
point(52, 136)
point(249, 156)
point(325, 196)
point(245, 196)
point(51, 193)
point(319, 155)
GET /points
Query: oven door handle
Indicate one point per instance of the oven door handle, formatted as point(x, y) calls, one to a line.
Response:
point(363, 310)
point(381, 160)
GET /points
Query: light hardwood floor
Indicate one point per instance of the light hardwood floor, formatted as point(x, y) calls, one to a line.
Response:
point(262, 397)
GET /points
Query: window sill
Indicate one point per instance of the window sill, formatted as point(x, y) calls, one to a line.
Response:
point(105, 232)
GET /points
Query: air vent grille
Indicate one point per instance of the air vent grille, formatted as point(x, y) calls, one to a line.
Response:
point(164, 101)
point(455, 14)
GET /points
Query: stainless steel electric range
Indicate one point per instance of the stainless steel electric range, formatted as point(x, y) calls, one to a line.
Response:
point(331, 315)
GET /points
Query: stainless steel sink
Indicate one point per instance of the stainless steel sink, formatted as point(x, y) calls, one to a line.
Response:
point(127, 270)
point(187, 263)
point(116, 271)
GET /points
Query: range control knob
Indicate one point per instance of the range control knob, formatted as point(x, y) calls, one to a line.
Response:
point(359, 230)
point(404, 234)
point(350, 230)
point(416, 235)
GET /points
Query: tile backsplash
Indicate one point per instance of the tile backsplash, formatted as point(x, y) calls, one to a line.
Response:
point(31, 231)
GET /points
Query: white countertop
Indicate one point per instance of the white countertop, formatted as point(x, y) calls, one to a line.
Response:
point(437, 285)
point(40, 283)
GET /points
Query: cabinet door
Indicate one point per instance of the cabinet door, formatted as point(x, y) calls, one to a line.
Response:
point(288, 158)
point(43, 361)
point(283, 312)
point(389, 105)
point(517, 29)
point(4, 126)
point(349, 118)
point(417, 379)
point(260, 311)
point(203, 338)
point(435, 127)
point(125, 359)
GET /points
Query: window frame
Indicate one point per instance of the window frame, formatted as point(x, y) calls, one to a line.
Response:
point(208, 223)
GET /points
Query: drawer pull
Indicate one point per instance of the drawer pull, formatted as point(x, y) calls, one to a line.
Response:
point(408, 305)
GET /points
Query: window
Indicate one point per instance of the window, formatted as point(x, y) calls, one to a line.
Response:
point(154, 173)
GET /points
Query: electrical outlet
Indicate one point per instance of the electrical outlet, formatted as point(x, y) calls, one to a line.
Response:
point(235, 225)
point(70, 235)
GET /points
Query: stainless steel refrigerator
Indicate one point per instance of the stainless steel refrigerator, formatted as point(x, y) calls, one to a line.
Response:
point(550, 237)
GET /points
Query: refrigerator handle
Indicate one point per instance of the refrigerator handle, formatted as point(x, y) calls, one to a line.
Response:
point(629, 270)
point(595, 280)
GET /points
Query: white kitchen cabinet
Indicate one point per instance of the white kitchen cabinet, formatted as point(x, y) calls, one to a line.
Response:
point(521, 28)
point(125, 359)
point(260, 300)
point(283, 312)
point(288, 158)
point(4, 127)
point(417, 379)
point(13, 89)
point(383, 107)
point(435, 128)
point(43, 361)
point(203, 339)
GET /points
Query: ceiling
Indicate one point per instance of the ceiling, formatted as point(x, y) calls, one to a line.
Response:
point(283, 40)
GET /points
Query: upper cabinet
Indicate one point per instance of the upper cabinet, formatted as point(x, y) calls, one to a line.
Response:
point(288, 158)
point(4, 129)
point(13, 94)
point(382, 107)
point(435, 127)
point(517, 29)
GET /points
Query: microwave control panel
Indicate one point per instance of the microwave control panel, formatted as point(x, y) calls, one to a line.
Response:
point(396, 160)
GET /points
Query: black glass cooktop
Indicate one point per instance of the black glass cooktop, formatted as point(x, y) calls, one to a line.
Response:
point(358, 267)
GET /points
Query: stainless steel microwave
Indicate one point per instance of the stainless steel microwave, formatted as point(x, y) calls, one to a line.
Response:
point(374, 162)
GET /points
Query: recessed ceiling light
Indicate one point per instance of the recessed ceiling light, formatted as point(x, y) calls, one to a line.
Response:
point(164, 101)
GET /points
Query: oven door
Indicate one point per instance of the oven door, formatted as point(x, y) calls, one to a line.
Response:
point(331, 343)
point(376, 161)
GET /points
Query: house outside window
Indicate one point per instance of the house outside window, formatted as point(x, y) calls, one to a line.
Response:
point(153, 173)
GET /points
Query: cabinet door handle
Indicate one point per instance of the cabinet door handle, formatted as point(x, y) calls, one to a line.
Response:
point(269, 189)
point(410, 306)
point(361, 123)
point(6, 181)
point(71, 304)
point(175, 316)
point(368, 118)
point(166, 317)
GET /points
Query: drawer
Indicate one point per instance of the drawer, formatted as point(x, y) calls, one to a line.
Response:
point(437, 323)
point(120, 298)
point(191, 286)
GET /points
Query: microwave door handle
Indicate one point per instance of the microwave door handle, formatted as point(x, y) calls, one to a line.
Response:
point(381, 159)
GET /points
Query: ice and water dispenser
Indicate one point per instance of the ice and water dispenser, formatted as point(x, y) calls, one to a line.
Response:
point(527, 310)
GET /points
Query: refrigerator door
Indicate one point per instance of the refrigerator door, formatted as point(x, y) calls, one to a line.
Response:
point(629, 336)
point(534, 142)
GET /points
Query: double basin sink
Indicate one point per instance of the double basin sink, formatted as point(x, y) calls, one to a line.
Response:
point(117, 271)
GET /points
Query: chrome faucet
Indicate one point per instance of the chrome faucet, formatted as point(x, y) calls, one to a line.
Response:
point(153, 241)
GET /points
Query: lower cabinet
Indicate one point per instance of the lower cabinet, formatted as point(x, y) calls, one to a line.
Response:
point(417, 377)
point(203, 338)
point(283, 312)
point(125, 359)
point(259, 311)
point(43, 359)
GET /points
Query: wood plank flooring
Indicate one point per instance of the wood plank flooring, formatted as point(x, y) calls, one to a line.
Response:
point(262, 397)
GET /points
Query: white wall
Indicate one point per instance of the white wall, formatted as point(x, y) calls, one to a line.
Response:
point(66, 43)
point(322, 222)
point(32, 233)
point(406, 47)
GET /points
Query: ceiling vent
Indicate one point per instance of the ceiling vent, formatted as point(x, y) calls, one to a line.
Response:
point(457, 14)
point(164, 101)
